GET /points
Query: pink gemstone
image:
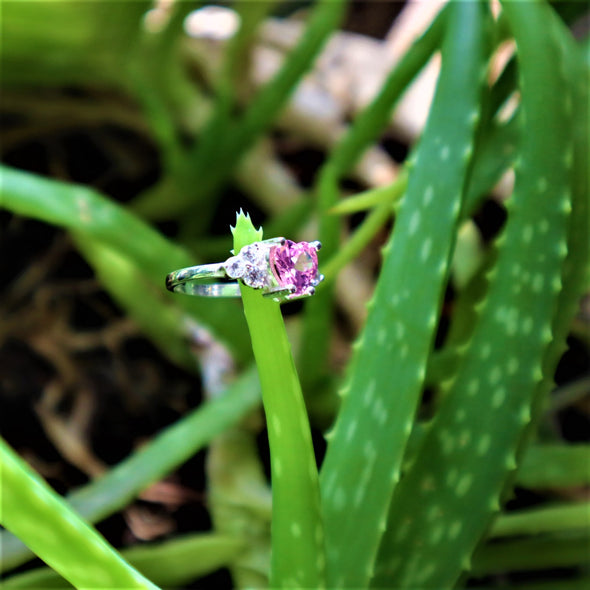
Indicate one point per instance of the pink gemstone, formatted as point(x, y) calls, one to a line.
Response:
point(295, 264)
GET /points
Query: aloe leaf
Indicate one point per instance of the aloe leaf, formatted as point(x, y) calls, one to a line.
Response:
point(446, 500)
point(366, 128)
point(543, 466)
point(211, 169)
point(555, 466)
point(386, 376)
point(579, 583)
point(168, 563)
point(504, 86)
point(561, 517)
point(63, 43)
point(577, 264)
point(177, 443)
point(44, 521)
point(297, 559)
point(533, 553)
point(357, 241)
point(163, 322)
point(240, 501)
point(390, 193)
point(88, 213)
point(495, 155)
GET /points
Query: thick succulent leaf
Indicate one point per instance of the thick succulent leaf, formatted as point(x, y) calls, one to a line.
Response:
point(387, 373)
point(445, 501)
point(297, 535)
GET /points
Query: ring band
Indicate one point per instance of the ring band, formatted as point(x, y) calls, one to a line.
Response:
point(281, 269)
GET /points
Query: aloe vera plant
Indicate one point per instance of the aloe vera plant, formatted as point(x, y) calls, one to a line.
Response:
point(501, 374)
point(383, 389)
point(410, 493)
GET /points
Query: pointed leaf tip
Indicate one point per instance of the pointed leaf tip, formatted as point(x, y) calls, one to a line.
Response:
point(244, 231)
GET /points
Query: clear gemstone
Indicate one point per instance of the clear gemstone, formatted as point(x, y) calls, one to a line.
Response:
point(235, 267)
point(250, 265)
point(295, 264)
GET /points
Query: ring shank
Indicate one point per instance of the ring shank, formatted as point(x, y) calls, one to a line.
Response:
point(186, 280)
point(208, 289)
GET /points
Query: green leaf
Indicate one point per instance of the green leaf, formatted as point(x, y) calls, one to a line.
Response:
point(446, 500)
point(364, 130)
point(176, 444)
point(562, 517)
point(169, 563)
point(296, 529)
point(90, 214)
point(555, 466)
point(530, 554)
point(208, 166)
point(45, 522)
point(61, 43)
point(386, 376)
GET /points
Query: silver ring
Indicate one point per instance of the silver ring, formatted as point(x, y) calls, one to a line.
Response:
point(279, 268)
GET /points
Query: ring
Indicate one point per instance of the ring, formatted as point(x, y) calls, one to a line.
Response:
point(281, 269)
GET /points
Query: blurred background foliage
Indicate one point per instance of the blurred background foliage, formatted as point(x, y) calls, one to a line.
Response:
point(172, 122)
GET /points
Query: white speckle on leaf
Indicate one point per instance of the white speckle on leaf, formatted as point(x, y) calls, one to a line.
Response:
point(464, 484)
point(455, 529)
point(498, 397)
point(495, 375)
point(350, 431)
point(426, 249)
point(527, 233)
point(276, 424)
point(414, 223)
point(369, 393)
point(277, 467)
point(339, 499)
point(484, 444)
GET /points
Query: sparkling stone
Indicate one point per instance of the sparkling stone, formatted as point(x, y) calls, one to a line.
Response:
point(235, 267)
point(255, 277)
point(251, 265)
point(295, 264)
